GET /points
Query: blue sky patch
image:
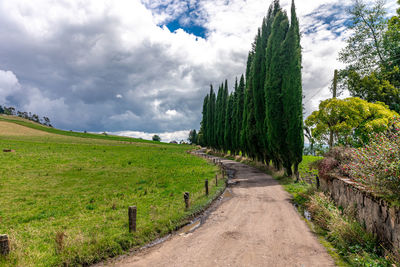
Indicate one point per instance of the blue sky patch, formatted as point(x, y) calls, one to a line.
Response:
point(189, 28)
point(188, 17)
point(334, 16)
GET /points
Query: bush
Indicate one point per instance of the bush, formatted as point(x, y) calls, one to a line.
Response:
point(377, 165)
point(156, 138)
point(336, 157)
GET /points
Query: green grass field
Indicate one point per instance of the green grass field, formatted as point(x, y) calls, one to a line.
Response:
point(64, 199)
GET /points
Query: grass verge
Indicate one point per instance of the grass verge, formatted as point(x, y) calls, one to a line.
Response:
point(344, 238)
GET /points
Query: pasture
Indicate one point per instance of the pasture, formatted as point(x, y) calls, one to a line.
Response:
point(64, 199)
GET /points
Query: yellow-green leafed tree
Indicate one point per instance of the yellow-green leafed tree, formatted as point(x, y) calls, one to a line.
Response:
point(351, 120)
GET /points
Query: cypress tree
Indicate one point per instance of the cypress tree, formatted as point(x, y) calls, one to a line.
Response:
point(204, 124)
point(250, 137)
point(219, 121)
point(273, 90)
point(233, 121)
point(292, 93)
point(246, 108)
point(211, 118)
point(239, 113)
point(258, 72)
point(228, 123)
point(262, 118)
point(225, 99)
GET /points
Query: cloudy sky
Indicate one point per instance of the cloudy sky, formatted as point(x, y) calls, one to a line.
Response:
point(142, 67)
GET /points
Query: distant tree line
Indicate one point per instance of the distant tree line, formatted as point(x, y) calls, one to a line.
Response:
point(26, 115)
point(262, 118)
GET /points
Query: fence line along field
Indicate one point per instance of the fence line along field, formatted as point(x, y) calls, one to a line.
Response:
point(64, 199)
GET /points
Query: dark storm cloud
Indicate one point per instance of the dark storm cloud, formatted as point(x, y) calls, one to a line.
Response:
point(111, 66)
point(86, 66)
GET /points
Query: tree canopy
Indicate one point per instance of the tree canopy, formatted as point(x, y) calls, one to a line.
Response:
point(372, 55)
point(351, 120)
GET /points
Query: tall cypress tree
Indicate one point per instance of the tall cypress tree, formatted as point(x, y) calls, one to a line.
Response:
point(228, 123)
point(258, 72)
point(273, 90)
point(225, 96)
point(292, 93)
point(250, 137)
point(246, 107)
point(219, 121)
point(211, 118)
point(233, 121)
point(204, 123)
point(263, 117)
point(239, 113)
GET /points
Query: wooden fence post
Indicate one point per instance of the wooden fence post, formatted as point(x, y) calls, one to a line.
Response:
point(132, 212)
point(206, 186)
point(216, 180)
point(4, 245)
point(186, 198)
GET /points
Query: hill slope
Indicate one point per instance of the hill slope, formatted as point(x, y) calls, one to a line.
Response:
point(64, 198)
point(40, 127)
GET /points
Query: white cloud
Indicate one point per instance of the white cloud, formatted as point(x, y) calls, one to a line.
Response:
point(8, 85)
point(104, 65)
point(165, 137)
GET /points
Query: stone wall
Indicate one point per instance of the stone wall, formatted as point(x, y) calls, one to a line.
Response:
point(374, 213)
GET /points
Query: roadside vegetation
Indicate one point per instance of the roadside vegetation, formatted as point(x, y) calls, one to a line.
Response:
point(64, 199)
point(375, 165)
point(344, 238)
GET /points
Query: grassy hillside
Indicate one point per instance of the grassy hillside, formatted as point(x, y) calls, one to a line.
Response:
point(64, 198)
point(37, 126)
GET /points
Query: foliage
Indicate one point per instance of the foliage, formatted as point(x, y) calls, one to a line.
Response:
point(345, 239)
point(373, 55)
point(263, 117)
point(275, 117)
point(377, 165)
point(383, 86)
point(392, 39)
point(352, 242)
point(25, 115)
point(364, 48)
point(292, 94)
point(156, 138)
point(193, 137)
point(351, 120)
point(64, 199)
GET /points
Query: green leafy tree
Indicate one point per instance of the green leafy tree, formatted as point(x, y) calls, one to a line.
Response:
point(156, 138)
point(192, 137)
point(365, 47)
point(377, 87)
point(351, 120)
point(372, 55)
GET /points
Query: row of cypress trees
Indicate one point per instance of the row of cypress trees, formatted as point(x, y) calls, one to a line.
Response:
point(262, 118)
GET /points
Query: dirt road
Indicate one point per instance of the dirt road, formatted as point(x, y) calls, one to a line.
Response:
point(256, 225)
